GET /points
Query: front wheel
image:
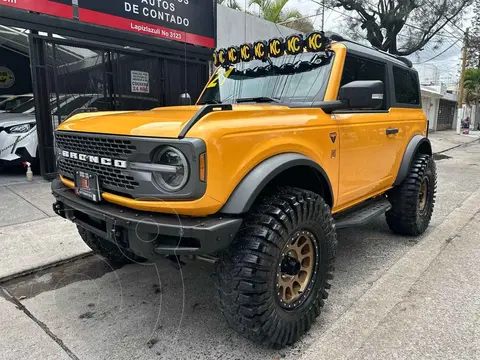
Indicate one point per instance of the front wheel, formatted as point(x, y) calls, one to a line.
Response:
point(272, 281)
point(414, 199)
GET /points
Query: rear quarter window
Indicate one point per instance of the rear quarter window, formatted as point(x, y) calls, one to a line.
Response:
point(406, 87)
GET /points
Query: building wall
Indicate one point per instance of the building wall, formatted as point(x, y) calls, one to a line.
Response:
point(231, 28)
point(430, 107)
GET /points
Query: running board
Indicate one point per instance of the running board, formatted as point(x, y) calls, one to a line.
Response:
point(362, 214)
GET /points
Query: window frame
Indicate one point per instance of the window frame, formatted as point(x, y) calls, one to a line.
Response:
point(387, 83)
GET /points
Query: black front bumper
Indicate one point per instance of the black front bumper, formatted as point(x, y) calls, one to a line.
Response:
point(147, 234)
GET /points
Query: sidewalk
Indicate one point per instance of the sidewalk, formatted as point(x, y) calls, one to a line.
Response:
point(32, 236)
point(448, 139)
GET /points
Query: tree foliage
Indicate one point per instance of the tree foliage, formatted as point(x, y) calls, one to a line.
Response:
point(473, 44)
point(472, 91)
point(400, 27)
point(277, 12)
point(472, 86)
point(230, 3)
point(302, 25)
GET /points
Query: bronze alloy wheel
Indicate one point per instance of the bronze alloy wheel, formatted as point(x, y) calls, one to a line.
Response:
point(423, 196)
point(297, 269)
point(273, 280)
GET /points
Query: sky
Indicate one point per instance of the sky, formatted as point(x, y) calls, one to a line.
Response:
point(447, 59)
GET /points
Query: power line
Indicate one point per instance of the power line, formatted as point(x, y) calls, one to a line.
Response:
point(406, 24)
point(433, 58)
point(448, 20)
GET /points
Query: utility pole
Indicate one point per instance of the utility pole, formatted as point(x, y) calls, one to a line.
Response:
point(323, 15)
point(462, 82)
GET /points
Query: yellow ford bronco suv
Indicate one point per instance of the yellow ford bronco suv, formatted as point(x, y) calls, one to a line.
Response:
point(290, 140)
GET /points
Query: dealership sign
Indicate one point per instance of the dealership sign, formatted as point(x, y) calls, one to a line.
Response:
point(190, 21)
point(7, 78)
point(140, 82)
point(59, 8)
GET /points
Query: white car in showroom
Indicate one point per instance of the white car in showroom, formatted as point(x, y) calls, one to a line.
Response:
point(18, 131)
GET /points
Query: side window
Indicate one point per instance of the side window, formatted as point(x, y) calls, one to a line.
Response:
point(406, 86)
point(358, 69)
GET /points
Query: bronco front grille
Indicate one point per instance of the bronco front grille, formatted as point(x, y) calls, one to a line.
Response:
point(101, 146)
point(110, 177)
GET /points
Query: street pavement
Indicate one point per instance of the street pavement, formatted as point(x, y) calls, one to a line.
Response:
point(392, 296)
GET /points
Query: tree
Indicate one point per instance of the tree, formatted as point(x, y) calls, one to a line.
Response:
point(401, 27)
point(302, 25)
point(276, 12)
point(230, 3)
point(473, 44)
point(472, 90)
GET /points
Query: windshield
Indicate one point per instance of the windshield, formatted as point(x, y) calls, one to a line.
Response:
point(26, 106)
point(13, 102)
point(300, 78)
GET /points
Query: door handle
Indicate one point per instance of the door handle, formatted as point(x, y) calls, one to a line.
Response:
point(392, 131)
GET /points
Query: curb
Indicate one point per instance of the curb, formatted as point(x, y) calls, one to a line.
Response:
point(44, 267)
point(456, 146)
point(348, 333)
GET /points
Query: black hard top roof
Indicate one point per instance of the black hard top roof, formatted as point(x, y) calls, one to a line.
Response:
point(373, 53)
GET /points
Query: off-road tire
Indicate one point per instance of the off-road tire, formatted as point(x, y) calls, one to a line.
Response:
point(246, 273)
point(404, 217)
point(110, 251)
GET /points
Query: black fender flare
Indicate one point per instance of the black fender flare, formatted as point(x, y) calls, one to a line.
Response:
point(416, 144)
point(255, 181)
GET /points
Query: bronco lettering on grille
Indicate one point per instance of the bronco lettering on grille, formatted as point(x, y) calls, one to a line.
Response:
point(93, 159)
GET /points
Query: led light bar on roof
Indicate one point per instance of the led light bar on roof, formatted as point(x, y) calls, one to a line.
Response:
point(262, 50)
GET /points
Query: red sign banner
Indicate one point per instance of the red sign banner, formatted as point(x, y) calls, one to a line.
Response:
point(59, 8)
point(190, 21)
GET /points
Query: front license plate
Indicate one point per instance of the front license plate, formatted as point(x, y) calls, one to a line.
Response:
point(87, 186)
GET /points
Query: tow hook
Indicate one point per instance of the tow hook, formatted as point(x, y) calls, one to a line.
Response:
point(58, 209)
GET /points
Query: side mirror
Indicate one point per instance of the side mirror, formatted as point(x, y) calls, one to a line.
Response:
point(362, 94)
point(185, 99)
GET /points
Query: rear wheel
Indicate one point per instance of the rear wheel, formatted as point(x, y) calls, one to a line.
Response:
point(110, 251)
point(413, 200)
point(272, 281)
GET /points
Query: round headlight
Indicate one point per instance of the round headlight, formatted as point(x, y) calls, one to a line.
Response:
point(172, 174)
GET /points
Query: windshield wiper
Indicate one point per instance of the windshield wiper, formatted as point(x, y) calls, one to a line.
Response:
point(259, 99)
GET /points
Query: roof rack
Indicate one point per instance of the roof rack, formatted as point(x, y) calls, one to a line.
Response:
point(337, 37)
